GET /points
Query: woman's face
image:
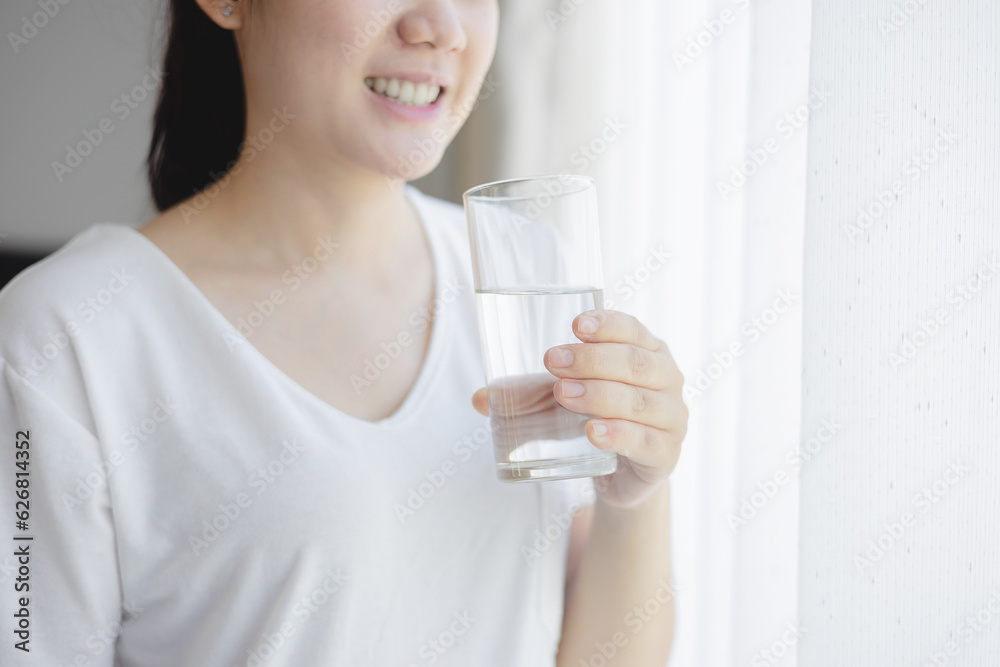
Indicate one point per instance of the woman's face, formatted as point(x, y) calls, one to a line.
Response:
point(358, 75)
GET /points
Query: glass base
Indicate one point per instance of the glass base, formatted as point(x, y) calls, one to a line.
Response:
point(552, 469)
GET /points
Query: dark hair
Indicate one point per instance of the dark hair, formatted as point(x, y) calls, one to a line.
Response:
point(200, 117)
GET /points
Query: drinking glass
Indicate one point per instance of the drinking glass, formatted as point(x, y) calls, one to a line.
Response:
point(536, 261)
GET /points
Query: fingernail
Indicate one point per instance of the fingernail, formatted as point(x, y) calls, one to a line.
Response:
point(572, 389)
point(599, 428)
point(587, 324)
point(560, 357)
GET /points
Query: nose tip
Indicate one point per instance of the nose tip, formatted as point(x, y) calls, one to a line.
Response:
point(436, 24)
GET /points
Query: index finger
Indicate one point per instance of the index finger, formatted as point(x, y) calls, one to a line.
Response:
point(614, 326)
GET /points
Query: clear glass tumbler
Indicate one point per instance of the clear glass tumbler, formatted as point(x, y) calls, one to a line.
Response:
point(536, 259)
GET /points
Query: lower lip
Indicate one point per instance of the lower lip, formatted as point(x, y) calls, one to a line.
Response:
point(403, 112)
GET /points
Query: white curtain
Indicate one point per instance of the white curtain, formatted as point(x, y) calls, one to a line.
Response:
point(901, 551)
point(691, 116)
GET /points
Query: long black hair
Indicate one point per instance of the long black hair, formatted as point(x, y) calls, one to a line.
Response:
point(200, 117)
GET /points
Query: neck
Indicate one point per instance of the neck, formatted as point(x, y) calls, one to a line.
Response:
point(277, 205)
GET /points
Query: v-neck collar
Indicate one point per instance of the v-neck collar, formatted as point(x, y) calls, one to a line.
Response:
point(440, 326)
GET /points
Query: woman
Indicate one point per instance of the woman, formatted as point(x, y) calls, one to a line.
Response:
point(244, 427)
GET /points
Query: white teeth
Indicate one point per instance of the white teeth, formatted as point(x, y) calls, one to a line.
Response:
point(420, 95)
point(404, 92)
point(392, 90)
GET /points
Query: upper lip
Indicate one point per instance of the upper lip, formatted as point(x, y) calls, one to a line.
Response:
point(430, 78)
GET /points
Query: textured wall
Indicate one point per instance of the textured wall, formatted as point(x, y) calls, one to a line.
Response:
point(900, 520)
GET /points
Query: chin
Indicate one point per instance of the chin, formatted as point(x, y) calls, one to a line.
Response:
point(410, 165)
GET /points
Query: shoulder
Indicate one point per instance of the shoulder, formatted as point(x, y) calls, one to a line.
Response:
point(446, 209)
point(86, 262)
point(447, 223)
point(441, 213)
point(53, 297)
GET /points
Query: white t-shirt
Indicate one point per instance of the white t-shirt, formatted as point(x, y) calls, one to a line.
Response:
point(191, 505)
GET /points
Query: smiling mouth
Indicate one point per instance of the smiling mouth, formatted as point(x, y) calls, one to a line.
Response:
point(405, 92)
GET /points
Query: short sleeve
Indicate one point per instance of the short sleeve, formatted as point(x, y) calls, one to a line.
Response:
point(60, 591)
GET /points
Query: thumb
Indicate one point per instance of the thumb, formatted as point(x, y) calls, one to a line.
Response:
point(480, 402)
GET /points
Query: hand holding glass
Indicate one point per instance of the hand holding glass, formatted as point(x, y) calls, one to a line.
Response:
point(536, 266)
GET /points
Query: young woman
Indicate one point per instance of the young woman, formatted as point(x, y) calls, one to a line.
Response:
point(242, 433)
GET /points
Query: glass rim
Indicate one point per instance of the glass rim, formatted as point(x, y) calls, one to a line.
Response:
point(584, 182)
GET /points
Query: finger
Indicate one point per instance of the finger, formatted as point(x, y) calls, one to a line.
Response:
point(480, 402)
point(621, 362)
point(521, 394)
point(642, 444)
point(606, 398)
point(614, 326)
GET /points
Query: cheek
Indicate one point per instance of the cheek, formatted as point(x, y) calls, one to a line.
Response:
point(317, 34)
point(348, 23)
point(333, 23)
point(479, 54)
point(484, 28)
point(482, 31)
